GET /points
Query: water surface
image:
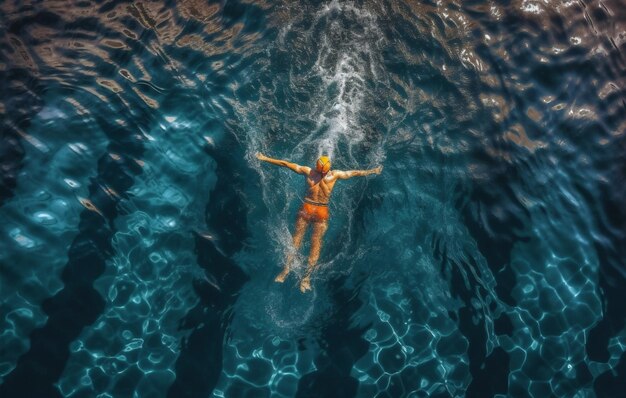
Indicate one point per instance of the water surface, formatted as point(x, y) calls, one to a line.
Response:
point(140, 236)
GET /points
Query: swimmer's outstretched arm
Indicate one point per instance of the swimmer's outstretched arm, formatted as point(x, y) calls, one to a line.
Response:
point(344, 175)
point(292, 166)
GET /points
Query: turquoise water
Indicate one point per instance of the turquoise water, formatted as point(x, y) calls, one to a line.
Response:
point(140, 236)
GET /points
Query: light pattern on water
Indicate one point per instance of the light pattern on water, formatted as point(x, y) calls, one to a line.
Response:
point(140, 236)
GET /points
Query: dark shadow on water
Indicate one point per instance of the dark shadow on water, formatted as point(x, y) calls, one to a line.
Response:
point(199, 364)
point(495, 238)
point(21, 105)
point(489, 372)
point(78, 304)
point(342, 344)
point(612, 280)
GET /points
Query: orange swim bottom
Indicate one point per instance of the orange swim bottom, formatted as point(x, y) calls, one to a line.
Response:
point(314, 213)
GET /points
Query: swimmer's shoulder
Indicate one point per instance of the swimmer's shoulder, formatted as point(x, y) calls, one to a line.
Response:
point(335, 174)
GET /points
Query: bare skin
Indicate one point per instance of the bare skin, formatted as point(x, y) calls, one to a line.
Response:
point(319, 188)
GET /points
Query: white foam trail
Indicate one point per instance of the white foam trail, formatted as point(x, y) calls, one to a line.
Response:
point(344, 69)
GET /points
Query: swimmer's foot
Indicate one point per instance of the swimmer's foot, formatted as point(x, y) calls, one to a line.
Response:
point(305, 284)
point(280, 278)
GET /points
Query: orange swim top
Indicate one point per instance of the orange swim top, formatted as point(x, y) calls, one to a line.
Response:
point(314, 213)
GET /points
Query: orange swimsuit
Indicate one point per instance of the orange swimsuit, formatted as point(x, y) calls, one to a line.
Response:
point(314, 211)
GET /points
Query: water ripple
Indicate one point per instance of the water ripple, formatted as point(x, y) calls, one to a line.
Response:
point(486, 260)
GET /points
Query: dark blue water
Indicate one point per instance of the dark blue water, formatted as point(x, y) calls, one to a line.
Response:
point(140, 236)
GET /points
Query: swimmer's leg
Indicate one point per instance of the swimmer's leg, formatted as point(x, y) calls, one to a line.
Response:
point(301, 225)
point(319, 229)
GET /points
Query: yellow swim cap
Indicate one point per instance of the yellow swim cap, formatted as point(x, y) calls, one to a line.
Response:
point(323, 164)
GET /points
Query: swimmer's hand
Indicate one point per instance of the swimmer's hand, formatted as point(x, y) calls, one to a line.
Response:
point(378, 170)
point(260, 156)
